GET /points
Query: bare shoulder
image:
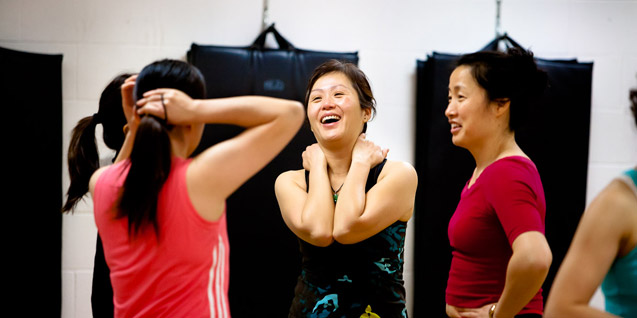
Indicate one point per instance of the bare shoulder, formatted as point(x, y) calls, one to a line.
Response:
point(291, 177)
point(96, 175)
point(617, 200)
point(400, 169)
point(613, 214)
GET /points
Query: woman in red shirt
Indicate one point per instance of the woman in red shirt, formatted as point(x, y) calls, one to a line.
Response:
point(500, 255)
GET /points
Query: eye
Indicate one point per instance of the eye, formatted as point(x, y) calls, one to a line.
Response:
point(338, 94)
point(449, 98)
point(315, 98)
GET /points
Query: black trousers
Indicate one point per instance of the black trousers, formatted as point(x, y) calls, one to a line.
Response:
point(102, 291)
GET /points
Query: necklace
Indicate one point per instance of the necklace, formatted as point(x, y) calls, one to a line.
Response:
point(335, 193)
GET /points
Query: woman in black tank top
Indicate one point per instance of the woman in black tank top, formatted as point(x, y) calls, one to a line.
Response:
point(349, 206)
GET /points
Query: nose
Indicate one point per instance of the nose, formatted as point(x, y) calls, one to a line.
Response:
point(450, 111)
point(328, 103)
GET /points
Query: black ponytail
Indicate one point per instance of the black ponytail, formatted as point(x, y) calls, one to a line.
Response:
point(83, 160)
point(83, 157)
point(150, 159)
point(150, 162)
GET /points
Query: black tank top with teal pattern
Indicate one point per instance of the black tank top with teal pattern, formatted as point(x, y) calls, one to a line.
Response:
point(354, 280)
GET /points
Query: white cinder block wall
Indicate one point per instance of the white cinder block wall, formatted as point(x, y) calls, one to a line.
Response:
point(100, 39)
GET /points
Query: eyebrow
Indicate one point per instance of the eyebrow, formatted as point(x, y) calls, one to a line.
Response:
point(329, 88)
point(456, 87)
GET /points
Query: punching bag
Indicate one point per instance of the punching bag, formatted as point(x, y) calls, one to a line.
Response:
point(561, 156)
point(31, 89)
point(264, 254)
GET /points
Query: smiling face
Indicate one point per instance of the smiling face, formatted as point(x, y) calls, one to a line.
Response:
point(334, 110)
point(473, 118)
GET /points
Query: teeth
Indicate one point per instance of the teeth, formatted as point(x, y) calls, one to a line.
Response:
point(330, 118)
point(455, 125)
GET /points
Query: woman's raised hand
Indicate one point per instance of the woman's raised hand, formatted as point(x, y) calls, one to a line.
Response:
point(128, 102)
point(313, 156)
point(366, 151)
point(170, 104)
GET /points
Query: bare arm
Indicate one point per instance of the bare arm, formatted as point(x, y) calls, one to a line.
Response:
point(596, 244)
point(128, 106)
point(309, 214)
point(359, 215)
point(221, 169)
point(526, 272)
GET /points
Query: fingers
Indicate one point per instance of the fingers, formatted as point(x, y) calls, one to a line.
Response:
point(151, 107)
point(155, 97)
point(452, 312)
point(131, 78)
point(128, 102)
point(157, 91)
point(128, 85)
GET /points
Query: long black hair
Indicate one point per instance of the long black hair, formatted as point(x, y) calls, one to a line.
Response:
point(150, 159)
point(83, 157)
point(513, 74)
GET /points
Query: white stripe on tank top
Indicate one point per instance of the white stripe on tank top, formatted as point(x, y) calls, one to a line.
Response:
point(216, 282)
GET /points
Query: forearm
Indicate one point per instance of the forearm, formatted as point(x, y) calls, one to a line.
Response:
point(524, 277)
point(127, 146)
point(351, 200)
point(317, 217)
point(245, 111)
point(574, 309)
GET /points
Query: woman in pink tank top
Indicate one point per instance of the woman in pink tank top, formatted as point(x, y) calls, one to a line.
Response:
point(160, 213)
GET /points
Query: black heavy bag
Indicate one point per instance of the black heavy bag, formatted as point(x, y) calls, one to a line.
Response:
point(560, 154)
point(31, 89)
point(264, 258)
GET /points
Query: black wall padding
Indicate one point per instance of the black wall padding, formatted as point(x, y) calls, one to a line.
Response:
point(264, 253)
point(556, 140)
point(31, 90)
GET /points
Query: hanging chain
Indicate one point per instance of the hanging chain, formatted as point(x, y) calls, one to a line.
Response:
point(498, 25)
point(265, 22)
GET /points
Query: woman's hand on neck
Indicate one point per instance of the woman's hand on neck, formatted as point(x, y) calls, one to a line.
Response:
point(338, 157)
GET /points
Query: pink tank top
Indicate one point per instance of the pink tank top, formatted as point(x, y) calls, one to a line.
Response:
point(184, 272)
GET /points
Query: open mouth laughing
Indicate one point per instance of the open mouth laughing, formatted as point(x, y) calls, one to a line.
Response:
point(330, 119)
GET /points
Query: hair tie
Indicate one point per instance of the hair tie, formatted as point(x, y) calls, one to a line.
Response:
point(165, 111)
point(97, 118)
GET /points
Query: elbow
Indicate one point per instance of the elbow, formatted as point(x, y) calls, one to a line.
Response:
point(320, 236)
point(353, 231)
point(558, 309)
point(544, 261)
point(321, 239)
point(341, 238)
point(552, 311)
point(296, 113)
point(539, 262)
point(345, 236)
